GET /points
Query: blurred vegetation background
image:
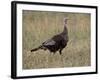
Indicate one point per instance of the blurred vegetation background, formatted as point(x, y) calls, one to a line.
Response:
point(38, 26)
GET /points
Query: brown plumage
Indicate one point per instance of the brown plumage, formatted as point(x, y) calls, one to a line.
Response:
point(57, 42)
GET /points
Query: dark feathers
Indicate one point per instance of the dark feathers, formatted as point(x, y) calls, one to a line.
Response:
point(57, 42)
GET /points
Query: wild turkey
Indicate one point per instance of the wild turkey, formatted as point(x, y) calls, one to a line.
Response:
point(57, 42)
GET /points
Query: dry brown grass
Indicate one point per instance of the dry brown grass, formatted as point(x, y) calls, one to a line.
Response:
point(40, 26)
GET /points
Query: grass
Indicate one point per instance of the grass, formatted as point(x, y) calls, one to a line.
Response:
point(39, 26)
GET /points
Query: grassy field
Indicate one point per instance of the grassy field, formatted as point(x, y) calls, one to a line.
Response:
point(39, 26)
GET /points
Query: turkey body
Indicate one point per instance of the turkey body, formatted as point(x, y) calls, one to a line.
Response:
point(56, 43)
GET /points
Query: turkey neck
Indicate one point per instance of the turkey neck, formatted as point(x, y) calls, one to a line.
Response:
point(65, 32)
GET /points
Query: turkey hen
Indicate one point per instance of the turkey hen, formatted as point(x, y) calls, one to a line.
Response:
point(57, 42)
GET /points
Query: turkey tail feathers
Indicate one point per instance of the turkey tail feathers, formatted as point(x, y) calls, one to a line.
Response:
point(35, 49)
